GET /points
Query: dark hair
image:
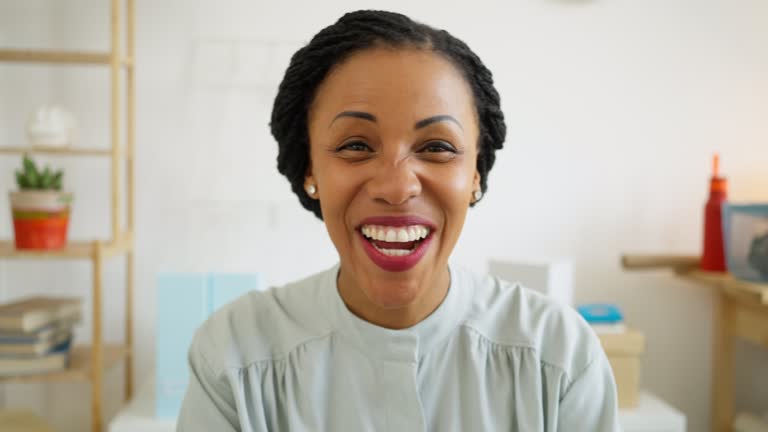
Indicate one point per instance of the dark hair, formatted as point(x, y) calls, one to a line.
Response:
point(354, 32)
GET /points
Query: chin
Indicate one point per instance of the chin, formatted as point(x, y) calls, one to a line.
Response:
point(393, 294)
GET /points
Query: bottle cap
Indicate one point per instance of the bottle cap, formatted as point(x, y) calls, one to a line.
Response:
point(717, 183)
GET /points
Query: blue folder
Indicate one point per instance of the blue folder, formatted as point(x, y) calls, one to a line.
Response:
point(601, 313)
point(184, 302)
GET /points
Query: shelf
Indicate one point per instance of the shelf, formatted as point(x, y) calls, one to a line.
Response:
point(67, 151)
point(741, 311)
point(675, 262)
point(61, 57)
point(687, 268)
point(745, 290)
point(79, 365)
point(73, 250)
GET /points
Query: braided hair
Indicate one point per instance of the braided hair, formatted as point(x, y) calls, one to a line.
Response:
point(354, 32)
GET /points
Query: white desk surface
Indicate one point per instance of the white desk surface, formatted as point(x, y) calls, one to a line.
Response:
point(651, 415)
point(139, 414)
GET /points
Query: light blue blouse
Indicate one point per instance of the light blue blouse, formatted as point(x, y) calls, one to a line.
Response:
point(494, 356)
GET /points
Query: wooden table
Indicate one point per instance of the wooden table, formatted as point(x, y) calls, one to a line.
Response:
point(741, 311)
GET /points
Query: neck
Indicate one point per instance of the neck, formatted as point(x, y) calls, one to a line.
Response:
point(431, 293)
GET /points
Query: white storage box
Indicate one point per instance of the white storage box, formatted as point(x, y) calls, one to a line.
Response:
point(553, 278)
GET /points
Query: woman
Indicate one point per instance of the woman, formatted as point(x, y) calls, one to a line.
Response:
point(387, 130)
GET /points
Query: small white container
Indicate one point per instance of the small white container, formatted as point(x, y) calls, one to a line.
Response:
point(50, 126)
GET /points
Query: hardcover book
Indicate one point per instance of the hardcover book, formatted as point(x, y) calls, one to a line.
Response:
point(34, 313)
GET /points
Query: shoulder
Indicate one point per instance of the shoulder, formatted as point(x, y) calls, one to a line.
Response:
point(509, 314)
point(263, 326)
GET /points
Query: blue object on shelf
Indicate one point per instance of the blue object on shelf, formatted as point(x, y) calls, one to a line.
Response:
point(601, 313)
point(184, 302)
point(745, 240)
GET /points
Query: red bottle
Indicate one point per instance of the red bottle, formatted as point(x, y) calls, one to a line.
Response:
point(714, 256)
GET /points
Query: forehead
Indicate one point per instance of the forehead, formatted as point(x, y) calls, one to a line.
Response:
point(410, 84)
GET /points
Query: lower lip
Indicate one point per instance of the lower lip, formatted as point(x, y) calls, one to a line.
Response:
point(396, 263)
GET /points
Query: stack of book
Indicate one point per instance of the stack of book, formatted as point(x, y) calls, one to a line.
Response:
point(36, 334)
point(22, 421)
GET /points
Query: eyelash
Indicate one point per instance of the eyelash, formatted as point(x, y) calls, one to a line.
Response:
point(442, 145)
point(350, 144)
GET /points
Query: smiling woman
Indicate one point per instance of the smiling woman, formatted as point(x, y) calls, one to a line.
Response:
point(387, 130)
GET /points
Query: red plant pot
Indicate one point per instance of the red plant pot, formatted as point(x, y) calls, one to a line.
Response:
point(40, 219)
point(40, 230)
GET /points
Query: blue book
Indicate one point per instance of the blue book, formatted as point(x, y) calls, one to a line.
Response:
point(184, 302)
point(54, 361)
point(19, 346)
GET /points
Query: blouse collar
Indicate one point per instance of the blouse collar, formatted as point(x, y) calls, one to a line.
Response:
point(405, 345)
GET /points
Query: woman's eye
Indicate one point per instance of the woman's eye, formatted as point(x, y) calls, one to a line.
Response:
point(438, 147)
point(354, 146)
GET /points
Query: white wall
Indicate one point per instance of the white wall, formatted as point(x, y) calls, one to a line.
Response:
point(613, 107)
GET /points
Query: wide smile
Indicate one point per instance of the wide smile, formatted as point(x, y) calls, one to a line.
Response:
point(396, 243)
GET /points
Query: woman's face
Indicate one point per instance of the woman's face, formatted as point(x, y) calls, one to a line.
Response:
point(393, 147)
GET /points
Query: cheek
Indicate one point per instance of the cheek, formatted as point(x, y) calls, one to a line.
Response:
point(453, 186)
point(338, 189)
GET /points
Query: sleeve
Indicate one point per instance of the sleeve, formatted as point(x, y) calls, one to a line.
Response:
point(209, 404)
point(591, 403)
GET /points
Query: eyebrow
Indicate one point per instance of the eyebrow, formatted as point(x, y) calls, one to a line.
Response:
point(419, 124)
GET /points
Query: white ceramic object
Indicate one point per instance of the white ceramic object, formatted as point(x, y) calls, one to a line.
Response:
point(45, 200)
point(50, 126)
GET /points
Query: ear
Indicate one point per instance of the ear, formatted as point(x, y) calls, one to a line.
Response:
point(476, 181)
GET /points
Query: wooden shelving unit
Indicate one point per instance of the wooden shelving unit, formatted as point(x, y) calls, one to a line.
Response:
point(73, 250)
point(57, 151)
point(90, 362)
point(61, 57)
point(741, 312)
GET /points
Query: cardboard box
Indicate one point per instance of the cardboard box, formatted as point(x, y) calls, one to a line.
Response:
point(624, 351)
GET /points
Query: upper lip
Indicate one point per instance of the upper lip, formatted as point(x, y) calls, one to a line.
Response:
point(397, 221)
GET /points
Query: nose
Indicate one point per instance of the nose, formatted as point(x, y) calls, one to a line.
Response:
point(394, 183)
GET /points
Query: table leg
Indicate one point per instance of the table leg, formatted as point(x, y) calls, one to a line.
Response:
point(723, 367)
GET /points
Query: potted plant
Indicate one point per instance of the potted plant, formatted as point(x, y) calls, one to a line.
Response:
point(40, 210)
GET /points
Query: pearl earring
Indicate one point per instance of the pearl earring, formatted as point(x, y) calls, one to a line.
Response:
point(311, 189)
point(477, 195)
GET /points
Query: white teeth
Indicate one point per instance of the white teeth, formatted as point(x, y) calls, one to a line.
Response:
point(391, 234)
point(395, 234)
point(394, 252)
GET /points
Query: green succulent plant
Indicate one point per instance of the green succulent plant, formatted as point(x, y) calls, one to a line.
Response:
point(30, 177)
